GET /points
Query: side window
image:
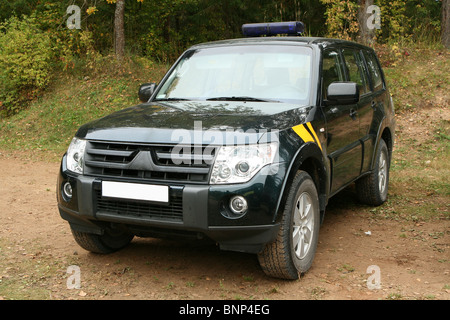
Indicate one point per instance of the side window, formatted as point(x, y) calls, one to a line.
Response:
point(374, 71)
point(331, 70)
point(355, 69)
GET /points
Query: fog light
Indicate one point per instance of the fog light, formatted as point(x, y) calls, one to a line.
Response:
point(238, 205)
point(67, 191)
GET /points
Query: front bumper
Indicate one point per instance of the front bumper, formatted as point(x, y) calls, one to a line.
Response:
point(193, 209)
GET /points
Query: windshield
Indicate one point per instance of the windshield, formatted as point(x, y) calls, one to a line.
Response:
point(241, 73)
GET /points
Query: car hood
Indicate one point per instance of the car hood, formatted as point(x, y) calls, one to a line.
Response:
point(180, 122)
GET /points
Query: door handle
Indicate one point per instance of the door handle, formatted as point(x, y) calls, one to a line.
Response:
point(373, 104)
point(353, 114)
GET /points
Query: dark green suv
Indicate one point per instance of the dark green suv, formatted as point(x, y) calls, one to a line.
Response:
point(243, 142)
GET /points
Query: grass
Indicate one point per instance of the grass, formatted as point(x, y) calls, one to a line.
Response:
point(29, 275)
point(420, 169)
point(346, 268)
point(51, 121)
point(394, 296)
point(420, 80)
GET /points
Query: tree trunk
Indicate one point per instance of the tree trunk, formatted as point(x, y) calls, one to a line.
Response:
point(366, 33)
point(445, 24)
point(119, 30)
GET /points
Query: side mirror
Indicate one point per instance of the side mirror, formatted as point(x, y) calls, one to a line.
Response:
point(146, 91)
point(343, 93)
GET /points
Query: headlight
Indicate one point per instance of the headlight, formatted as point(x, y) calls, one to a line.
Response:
point(238, 164)
point(75, 155)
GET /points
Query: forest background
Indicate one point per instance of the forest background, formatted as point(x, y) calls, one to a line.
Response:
point(40, 39)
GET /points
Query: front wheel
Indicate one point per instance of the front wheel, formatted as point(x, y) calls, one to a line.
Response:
point(110, 241)
point(293, 251)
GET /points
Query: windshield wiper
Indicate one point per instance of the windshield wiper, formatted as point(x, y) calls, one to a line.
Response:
point(172, 99)
point(239, 99)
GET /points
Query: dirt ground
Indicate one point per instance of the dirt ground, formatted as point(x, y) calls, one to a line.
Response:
point(37, 248)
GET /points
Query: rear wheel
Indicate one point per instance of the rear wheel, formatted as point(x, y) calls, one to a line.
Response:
point(293, 251)
point(110, 241)
point(373, 188)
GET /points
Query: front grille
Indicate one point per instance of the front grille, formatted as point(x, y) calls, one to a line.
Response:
point(155, 162)
point(127, 208)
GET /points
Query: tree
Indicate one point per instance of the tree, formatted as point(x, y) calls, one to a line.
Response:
point(119, 31)
point(366, 34)
point(342, 18)
point(25, 62)
point(445, 23)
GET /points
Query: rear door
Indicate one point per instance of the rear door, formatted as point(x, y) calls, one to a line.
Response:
point(372, 115)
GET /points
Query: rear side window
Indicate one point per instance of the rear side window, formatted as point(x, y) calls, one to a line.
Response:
point(331, 70)
point(355, 69)
point(374, 71)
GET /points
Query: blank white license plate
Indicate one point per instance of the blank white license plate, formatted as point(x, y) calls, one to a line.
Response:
point(135, 191)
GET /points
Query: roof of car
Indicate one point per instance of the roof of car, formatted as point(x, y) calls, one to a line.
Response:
point(278, 40)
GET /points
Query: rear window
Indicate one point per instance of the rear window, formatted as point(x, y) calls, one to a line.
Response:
point(374, 71)
point(355, 69)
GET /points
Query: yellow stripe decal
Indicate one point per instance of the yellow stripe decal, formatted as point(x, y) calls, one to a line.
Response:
point(305, 135)
point(315, 135)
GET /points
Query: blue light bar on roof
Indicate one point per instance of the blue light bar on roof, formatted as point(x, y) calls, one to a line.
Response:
point(273, 28)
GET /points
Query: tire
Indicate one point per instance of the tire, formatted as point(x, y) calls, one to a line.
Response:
point(373, 188)
point(293, 251)
point(110, 241)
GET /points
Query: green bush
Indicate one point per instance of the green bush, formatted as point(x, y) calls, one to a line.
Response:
point(25, 62)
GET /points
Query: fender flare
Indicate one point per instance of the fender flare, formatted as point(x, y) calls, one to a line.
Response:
point(390, 140)
point(306, 153)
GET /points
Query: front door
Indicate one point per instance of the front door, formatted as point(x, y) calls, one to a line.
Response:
point(343, 146)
